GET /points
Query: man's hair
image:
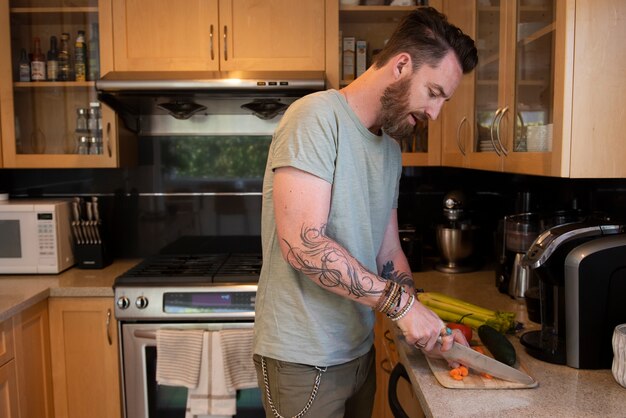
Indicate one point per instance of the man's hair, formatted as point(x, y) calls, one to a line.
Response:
point(427, 36)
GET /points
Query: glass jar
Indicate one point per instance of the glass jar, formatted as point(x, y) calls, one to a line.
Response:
point(81, 120)
point(95, 145)
point(83, 145)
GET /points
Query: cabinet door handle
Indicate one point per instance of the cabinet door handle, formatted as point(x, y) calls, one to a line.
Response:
point(458, 135)
point(502, 147)
point(211, 42)
point(493, 141)
point(109, 337)
point(225, 41)
point(109, 139)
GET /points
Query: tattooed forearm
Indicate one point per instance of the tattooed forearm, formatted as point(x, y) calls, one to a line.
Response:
point(399, 277)
point(325, 261)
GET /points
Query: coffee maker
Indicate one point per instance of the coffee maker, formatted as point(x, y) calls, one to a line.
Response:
point(546, 259)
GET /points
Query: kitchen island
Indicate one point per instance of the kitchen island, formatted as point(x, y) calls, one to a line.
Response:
point(562, 391)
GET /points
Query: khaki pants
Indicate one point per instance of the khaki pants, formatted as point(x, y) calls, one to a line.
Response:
point(345, 391)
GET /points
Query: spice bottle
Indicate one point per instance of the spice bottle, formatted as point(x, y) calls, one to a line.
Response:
point(38, 63)
point(83, 145)
point(93, 53)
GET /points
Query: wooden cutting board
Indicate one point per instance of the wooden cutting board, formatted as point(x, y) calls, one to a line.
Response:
point(473, 380)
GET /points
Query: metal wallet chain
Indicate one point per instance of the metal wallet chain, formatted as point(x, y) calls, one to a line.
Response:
point(304, 410)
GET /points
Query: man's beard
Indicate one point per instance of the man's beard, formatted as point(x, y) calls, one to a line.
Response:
point(395, 111)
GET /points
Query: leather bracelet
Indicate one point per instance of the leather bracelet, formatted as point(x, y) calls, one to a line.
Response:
point(405, 309)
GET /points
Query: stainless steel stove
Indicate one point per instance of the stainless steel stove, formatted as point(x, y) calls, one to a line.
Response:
point(206, 283)
point(188, 281)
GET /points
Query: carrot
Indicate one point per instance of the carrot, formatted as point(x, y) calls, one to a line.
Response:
point(486, 375)
point(479, 348)
point(458, 373)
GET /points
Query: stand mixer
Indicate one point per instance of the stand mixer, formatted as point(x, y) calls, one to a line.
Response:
point(455, 238)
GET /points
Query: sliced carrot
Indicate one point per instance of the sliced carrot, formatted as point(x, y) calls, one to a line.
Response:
point(486, 375)
point(458, 373)
point(479, 348)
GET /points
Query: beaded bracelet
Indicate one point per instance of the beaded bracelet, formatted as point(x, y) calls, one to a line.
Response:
point(405, 309)
point(395, 295)
point(391, 294)
point(384, 296)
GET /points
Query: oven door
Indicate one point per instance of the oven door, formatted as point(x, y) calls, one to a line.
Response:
point(143, 397)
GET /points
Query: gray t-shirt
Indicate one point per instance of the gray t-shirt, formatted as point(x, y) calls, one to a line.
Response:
point(296, 319)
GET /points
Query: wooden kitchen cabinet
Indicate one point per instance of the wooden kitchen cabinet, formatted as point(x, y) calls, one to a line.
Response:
point(211, 35)
point(375, 24)
point(535, 104)
point(386, 359)
point(32, 357)
point(38, 119)
point(85, 359)
point(8, 377)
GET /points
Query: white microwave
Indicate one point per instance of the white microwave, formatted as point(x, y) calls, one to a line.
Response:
point(35, 236)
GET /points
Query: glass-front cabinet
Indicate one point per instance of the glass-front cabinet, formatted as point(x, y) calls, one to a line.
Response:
point(509, 124)
point(361, 30)
point(52, 53)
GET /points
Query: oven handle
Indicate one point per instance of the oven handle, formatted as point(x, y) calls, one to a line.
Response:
point(151, 334)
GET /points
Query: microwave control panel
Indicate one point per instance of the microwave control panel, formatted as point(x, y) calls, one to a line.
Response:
point(46, 232)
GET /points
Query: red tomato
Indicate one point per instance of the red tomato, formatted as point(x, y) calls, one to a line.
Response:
point(465, 329)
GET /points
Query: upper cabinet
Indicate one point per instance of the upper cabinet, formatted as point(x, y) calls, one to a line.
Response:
point(374, 25)
point(538, 102)
point(50, 115)
point(211, 35)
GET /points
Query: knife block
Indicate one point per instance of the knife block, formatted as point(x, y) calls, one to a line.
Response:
point(92, 256)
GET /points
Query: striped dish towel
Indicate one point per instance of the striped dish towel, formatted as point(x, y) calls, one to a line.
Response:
point(238, 365)
point(178, 357)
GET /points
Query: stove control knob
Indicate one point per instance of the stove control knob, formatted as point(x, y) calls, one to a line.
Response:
point(123, 302)
point(141, 302)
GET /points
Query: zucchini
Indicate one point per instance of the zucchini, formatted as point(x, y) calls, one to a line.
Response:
point(499, 346)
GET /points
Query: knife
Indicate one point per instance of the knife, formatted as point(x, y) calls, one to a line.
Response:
point(96, 219)
point(484, 364)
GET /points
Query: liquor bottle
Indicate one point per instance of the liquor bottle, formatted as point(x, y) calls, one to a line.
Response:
point(80, 57)
point(93, 53)
point(64, 58)
point(52, 65)
point(38, 63)
point(24, 66)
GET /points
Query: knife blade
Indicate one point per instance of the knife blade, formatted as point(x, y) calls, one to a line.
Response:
point(485, 364)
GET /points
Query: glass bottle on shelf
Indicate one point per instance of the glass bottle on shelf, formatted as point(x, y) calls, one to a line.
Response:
point(93, 53)
point(24, 66)
point(80, 57)
point(52, 65)
point(38, 62)
point(64, 58)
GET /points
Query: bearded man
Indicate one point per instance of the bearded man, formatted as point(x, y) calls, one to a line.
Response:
point(331, 250)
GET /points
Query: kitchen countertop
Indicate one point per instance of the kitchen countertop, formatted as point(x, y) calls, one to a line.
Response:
point(562, 392)
point(18, 292)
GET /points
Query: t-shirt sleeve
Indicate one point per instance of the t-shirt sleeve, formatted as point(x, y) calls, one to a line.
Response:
point(306, 138)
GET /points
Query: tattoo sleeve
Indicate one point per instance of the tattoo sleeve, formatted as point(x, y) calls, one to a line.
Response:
point(324, 260)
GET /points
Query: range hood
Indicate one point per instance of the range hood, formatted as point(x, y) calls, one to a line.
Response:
point(142, 99)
